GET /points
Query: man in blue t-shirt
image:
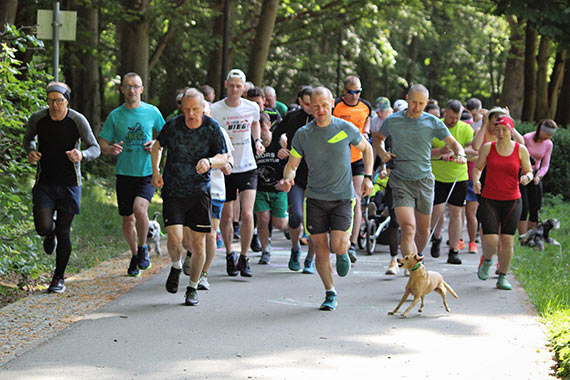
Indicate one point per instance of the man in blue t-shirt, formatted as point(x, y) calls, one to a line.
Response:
point(128, 134)
point(195, 145)
point(325, 144)
point(411, 179)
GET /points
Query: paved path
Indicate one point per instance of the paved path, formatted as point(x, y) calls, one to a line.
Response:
point(269, 327)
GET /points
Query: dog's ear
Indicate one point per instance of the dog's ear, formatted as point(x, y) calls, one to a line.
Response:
point(419, 258)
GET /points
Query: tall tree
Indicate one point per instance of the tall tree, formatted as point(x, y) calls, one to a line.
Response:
point(556, 82)
point(263, 36)
point(529, 103)
point(134, 40)
point(563, 113)
point(542, 109)
point(513, 83)
point(8, 9)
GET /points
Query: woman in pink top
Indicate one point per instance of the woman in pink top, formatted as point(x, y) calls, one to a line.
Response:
point(500, 205)
point(539, 145)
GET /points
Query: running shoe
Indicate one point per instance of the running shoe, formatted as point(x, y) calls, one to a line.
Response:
point(460, 245)
point(173, 280)
point(294, 261)
point(191, 297)
point(236, 231)
point(287, 234)
point(243, 266)
point(57, 285)
point(219, 240)
point(50, 242)
point(435, 244)
point(503, 283)
point(203, 283)
point(231, 264)
point(133, 267)
point(342, 264)
point(352, 253)
point(393, 268)
point(186, 264)
point(309, 266)
point(255, 244)
point(473, 248)
point(330, 301)
point(453, 257)
point(265, 258)
point(484, 268)
point(143, 259)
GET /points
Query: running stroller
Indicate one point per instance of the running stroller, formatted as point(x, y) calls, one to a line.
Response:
point(376, 218)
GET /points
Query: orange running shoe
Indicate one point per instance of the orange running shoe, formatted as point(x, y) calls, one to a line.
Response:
point(473, 248)
point(460, 245)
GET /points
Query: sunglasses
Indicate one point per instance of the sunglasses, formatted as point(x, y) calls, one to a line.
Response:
point(128, 88)
point(354, 92)
point(56, 101)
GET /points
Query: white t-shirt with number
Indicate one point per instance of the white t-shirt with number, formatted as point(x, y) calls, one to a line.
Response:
point(237, 122)
point(217, 182)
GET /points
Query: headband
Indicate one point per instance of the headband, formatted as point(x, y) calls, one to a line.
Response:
point(506, 121)
point(548, 130)
point(57, 88)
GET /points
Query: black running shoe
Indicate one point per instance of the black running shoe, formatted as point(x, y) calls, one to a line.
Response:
point(191, 297)
point(255, 244)
point(134, 267)
point(243, 266)
point(236, 231)
point(435, 244)
point(453, 257)
point(143, 259)
point(57, 285)
point(231, 264)
point(173, 280)
point(265, 258)
point(49, 243)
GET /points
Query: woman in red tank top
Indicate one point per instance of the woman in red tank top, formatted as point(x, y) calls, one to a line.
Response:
point(501, 205)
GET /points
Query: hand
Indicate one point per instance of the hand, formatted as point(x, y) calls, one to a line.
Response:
point(447, 157)
point(74, 155)
point(116, 148)
point(284, 185)
point(148, 146)
point(477, 187)
point(367, 187)
point(157, 180)
point(227, 169)
point(460, 159)
point(383, 174)
point(203, 166)
point(34, 156)
point(444, 150)
point(525, 179)
point(536, 180)
point(259, 148)
point(283, 153)
point(386, 156)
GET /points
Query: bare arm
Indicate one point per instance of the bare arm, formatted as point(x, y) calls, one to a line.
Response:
point(461, 157)
point(527, 176)
point(365, 147)
point(483, 153)
point(155, 155)
point(108, 148)
point(256, 136)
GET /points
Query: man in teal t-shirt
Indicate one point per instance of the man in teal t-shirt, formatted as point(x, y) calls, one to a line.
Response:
point(325, 143)
point(411, 180)
point(447, 173)
point(128, 134)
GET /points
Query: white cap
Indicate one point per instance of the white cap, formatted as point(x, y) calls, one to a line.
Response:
point(400, 104)
point(236, 73)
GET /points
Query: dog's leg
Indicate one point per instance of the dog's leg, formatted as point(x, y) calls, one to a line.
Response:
point(414, 303)
point(441, 290)
point(421, 305)
point(404, 297)
point(553, 242)
point(540, 244)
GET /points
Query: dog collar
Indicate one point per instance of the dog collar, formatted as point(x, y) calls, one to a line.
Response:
point(416, 266)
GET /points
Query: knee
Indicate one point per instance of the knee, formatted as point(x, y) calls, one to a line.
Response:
point(246, 215)
point(408, 229)
point(295, 220)
point(128, 222)
point(175, 242)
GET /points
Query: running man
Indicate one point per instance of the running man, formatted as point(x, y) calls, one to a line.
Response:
point(325, 144)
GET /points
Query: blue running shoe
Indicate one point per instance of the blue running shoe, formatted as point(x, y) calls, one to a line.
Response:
point(503, 283)
point(133, 267)
point(309, 266)
point(483, 272)
point(294, 263)
point(330, 301)
point(342, 264)
point(143, 259)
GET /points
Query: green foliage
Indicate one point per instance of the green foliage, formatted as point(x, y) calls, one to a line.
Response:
point(556, 180)
point(545, 279)
point(21, 96)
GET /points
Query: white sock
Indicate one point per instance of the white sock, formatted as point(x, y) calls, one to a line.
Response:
point(331, 290)
point(193, 284)
point(177, 264)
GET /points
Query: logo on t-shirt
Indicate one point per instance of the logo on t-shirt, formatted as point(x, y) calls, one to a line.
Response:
point(135, 135)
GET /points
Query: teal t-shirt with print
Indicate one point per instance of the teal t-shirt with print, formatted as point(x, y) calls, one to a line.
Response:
point(411, 143)
point(327, 153)
point(133, 127)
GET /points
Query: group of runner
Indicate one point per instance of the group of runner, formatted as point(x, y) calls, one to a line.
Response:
point(313, 163)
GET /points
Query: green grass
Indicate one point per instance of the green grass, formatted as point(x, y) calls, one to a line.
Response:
point(546, 279)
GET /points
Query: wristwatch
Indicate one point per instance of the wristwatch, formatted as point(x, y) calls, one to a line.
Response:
point(368, 176)
point(209, 161)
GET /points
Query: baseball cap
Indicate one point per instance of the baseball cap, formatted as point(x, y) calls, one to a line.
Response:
point(400, 104)
point(381, 104)
point(505, 120)
point(236, 73)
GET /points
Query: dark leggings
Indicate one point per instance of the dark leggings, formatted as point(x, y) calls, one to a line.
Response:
point(499, 216)
point(393, 226)
point(43, 220)
point(531, 195)
point(295, 198)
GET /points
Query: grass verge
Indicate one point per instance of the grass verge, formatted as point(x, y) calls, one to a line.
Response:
point(547, 282)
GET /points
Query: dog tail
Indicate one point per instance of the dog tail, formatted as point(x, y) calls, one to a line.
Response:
point(450, 290)
point(155, 216)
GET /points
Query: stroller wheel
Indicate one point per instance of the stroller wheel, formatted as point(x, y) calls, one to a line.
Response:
point(361, 241)
point(371, 237)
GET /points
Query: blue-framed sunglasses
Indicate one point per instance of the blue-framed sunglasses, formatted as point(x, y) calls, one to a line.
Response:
point(354, 92)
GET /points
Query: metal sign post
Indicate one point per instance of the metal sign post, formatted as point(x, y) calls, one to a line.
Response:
point(56, 26)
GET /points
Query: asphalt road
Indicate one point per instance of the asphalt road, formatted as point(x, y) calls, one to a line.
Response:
point(269, 327)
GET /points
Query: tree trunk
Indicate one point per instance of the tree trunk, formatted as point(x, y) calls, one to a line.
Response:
point(513, 82)
point(262, 42)
point(556, 82)
point(134, 40)
point(563, 113)
point(542, 108)
point(214, 77)
point(529, 103)
point(412, 56)
point(8, 9)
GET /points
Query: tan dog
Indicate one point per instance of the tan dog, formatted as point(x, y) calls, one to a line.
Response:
point(421, 282)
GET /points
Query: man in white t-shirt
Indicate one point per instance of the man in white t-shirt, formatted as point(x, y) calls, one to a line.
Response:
point(240, 118)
